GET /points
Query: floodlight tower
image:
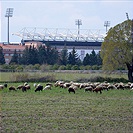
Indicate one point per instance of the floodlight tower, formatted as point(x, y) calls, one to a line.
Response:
point(78, 22)
point(9, 13)
point(106, 24)
point(127, 16)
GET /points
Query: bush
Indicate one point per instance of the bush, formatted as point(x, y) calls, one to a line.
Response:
point(62, 67)
point(75, 67)
point(68, 67)
point(102, 79)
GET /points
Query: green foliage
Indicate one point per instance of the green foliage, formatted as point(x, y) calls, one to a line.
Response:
point(117, 49)
point(2, 59)
point(73, 58)
point(14, 59)
point(92, 59)
point(64, 56)
point(75, 67)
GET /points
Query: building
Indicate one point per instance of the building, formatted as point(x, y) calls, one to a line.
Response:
point(8, 49)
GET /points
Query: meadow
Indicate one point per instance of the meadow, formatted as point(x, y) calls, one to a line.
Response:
point(57, 111)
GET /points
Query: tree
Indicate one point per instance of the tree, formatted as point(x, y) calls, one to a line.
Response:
point(42, 55)
point(99, 59)
point(2, 59)
point(64, 56)
point(117, 48)
point(93, 58)
point(73, 58)
point(25, 56)
point(86, 60)
point(14, 58)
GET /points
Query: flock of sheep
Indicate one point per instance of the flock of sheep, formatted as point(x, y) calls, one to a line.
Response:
point(71, 86)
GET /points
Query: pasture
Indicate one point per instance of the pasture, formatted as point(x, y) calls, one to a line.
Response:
point(57, 111)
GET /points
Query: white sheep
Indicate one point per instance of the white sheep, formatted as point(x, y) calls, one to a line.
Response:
point(48, 87)
point(1, 87)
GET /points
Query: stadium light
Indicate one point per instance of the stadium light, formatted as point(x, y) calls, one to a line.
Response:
point(106, 24)
point(9, 13)
point(78, 22)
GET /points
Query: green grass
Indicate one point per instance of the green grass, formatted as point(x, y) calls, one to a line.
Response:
point(57, 111)
point(13, 76)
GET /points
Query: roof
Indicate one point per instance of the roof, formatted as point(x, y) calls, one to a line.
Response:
point(12, 47)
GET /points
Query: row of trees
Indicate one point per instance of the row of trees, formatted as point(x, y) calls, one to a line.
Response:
point(51, 56)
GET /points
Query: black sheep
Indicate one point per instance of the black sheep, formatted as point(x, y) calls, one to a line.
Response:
point(39, 88)
point(12, 88)
point(5, 85)
point(70, 89)
point(24, 89)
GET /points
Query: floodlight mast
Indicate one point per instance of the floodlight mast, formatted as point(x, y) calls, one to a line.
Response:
point(78, 22)
point(107, 24)
point(9, 13)
point(127, 16)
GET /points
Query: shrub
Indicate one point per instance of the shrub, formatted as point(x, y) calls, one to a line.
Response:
point(62, 67)
point(75, 67)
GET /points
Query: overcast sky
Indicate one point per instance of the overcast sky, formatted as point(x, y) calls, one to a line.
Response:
point(62, 14)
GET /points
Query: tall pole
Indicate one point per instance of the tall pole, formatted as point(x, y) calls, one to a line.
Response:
point(9, 13)
point(8, 31)
point(132, 33)
point(106, 24)
point(78, 22)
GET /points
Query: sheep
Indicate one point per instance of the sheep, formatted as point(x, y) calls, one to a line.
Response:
point(58, 83)
point(98, 89)
point(34, 84)
point(12, 88)
point(71, 89)
point(1, 87)
point(90, 88)
point(5, 85)
point(27, 87)
point(24, 88)
point(49, 84)
point(111, 87)
point(25, 83)
point(19, 87)
point(48, 87)
point(39, 88)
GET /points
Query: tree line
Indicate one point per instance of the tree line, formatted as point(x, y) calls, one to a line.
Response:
point(51, 56)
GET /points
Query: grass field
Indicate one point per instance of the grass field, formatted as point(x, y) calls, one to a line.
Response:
point(57, 111)
point(13, 76)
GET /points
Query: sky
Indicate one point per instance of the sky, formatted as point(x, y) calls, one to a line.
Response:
point(62, 14)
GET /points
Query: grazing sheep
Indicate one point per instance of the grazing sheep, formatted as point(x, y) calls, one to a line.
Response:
point(5, 85)
point(27, 87)
point(1, 87)
point(25, 83)
point(35, 85)
point(24, 89)
point(48, 87)
point(19, 87)
point(12, 88)
point(50, 84)
point(71, 89)
point(39, 88)
point(111, 87)
point(98, 89)
point(90, 88)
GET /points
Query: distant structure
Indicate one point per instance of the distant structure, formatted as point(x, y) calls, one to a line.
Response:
point(86, 39)
point(107, 24)
point(78, 22)
point(9, 13)
point(9, 49)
